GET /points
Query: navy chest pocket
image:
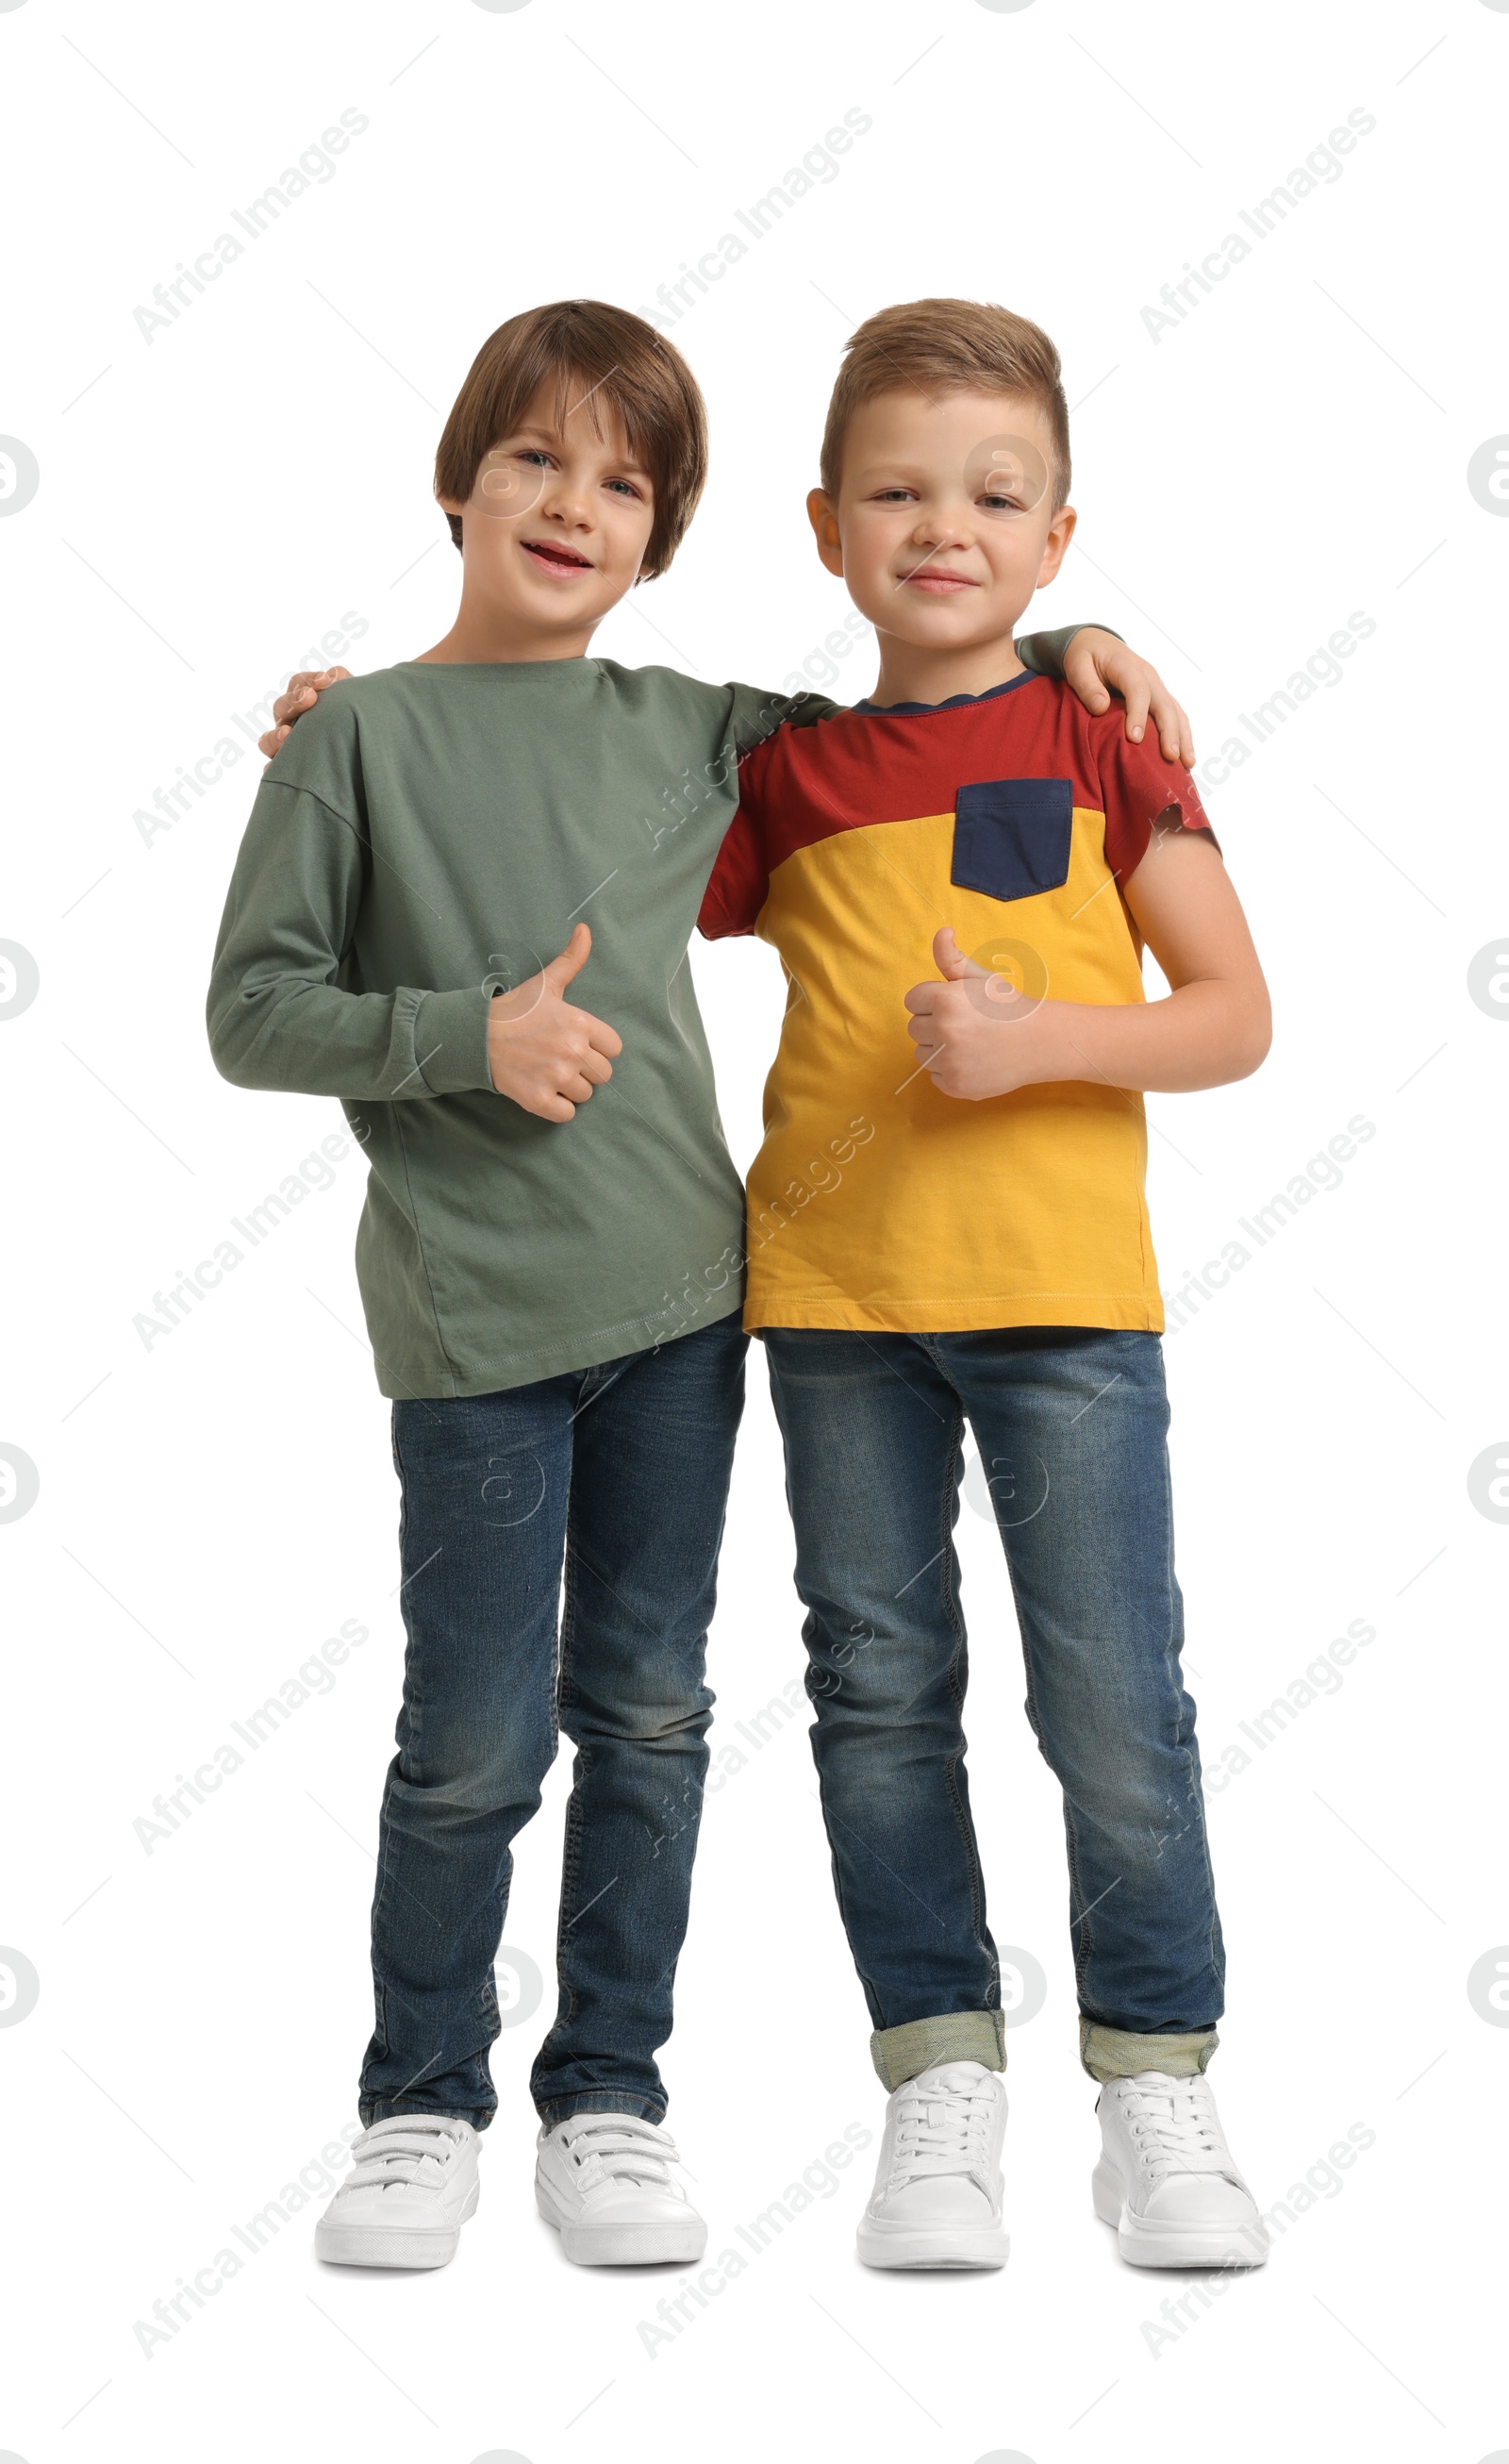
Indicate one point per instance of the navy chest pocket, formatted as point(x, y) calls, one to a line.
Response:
point(1012, 836)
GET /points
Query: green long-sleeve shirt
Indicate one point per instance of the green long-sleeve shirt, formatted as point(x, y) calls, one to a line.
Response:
point(428, 835)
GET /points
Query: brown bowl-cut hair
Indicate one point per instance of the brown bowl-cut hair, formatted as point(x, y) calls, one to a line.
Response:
point(589, 349)
point(941, 347)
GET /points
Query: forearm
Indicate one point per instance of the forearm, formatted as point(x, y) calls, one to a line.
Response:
point(278, 1013)
point(297, 1036)
point(1206, 1034)
point(1043, 653)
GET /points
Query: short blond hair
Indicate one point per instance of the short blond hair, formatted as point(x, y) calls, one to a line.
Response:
point(941, 347)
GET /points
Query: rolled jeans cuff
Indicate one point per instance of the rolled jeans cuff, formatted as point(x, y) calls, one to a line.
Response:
point(565, 2108)
point(1115, 2053)
point(902, 2053)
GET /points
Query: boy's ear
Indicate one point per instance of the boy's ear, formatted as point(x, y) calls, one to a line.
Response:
point(822, 515)
point(1061, 530)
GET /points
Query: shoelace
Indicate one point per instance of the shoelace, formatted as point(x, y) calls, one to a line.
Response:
point(943, 2127)
point(419, 2152)
point(1173, 2124)
point(624, 2148)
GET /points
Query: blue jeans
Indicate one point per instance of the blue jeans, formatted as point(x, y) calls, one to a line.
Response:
point(616, 1476)
point(1071, 1425)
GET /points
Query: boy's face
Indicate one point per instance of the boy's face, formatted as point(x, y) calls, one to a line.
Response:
point(944, 524)
point(558, 519)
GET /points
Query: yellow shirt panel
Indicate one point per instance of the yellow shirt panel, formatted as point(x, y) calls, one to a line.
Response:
point(875, 1201)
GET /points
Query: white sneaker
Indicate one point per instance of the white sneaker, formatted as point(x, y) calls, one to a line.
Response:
point(412, 2184)
point(605, 2181)
point(937, 2200)
point(1167, 2180)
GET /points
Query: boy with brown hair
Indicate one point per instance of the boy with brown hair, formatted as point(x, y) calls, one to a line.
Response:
point(549, 1255)
point(971, 847)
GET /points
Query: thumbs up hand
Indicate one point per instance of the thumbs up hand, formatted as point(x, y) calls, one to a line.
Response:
point(955, 1025)
point(543, 1052)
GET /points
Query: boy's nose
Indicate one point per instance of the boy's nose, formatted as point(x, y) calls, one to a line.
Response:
point(940, 531)
point(566, 502)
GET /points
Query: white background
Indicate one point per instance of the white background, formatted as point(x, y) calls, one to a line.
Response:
point(212, 501)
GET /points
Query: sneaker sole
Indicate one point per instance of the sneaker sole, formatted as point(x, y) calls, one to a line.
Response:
point(626, 2245)
point(986, 2246)
point(1148, 2242)
point(398, 2246)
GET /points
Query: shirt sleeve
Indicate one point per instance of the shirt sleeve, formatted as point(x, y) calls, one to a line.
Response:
point(1043, 653)
point(756, 715)
point(740, 879)
point(1138, 789)
point(280, 1015)
point(739, 882)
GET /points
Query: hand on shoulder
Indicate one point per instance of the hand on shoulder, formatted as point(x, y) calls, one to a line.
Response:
point(302, 696)
point(1096, 665)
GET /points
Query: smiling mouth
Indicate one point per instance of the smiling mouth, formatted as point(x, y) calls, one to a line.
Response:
point(554, 558)
point(929, 577)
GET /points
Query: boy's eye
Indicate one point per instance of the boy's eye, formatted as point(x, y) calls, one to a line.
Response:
point(626, 486)
point(1007, 475)
point(509, 481)
point(894, 495)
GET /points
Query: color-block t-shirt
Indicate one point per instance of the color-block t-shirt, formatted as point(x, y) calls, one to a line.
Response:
point(876, 1202)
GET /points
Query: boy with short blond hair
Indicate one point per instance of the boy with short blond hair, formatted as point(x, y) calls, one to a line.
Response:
point(549, 1256)
point(984, 1255)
